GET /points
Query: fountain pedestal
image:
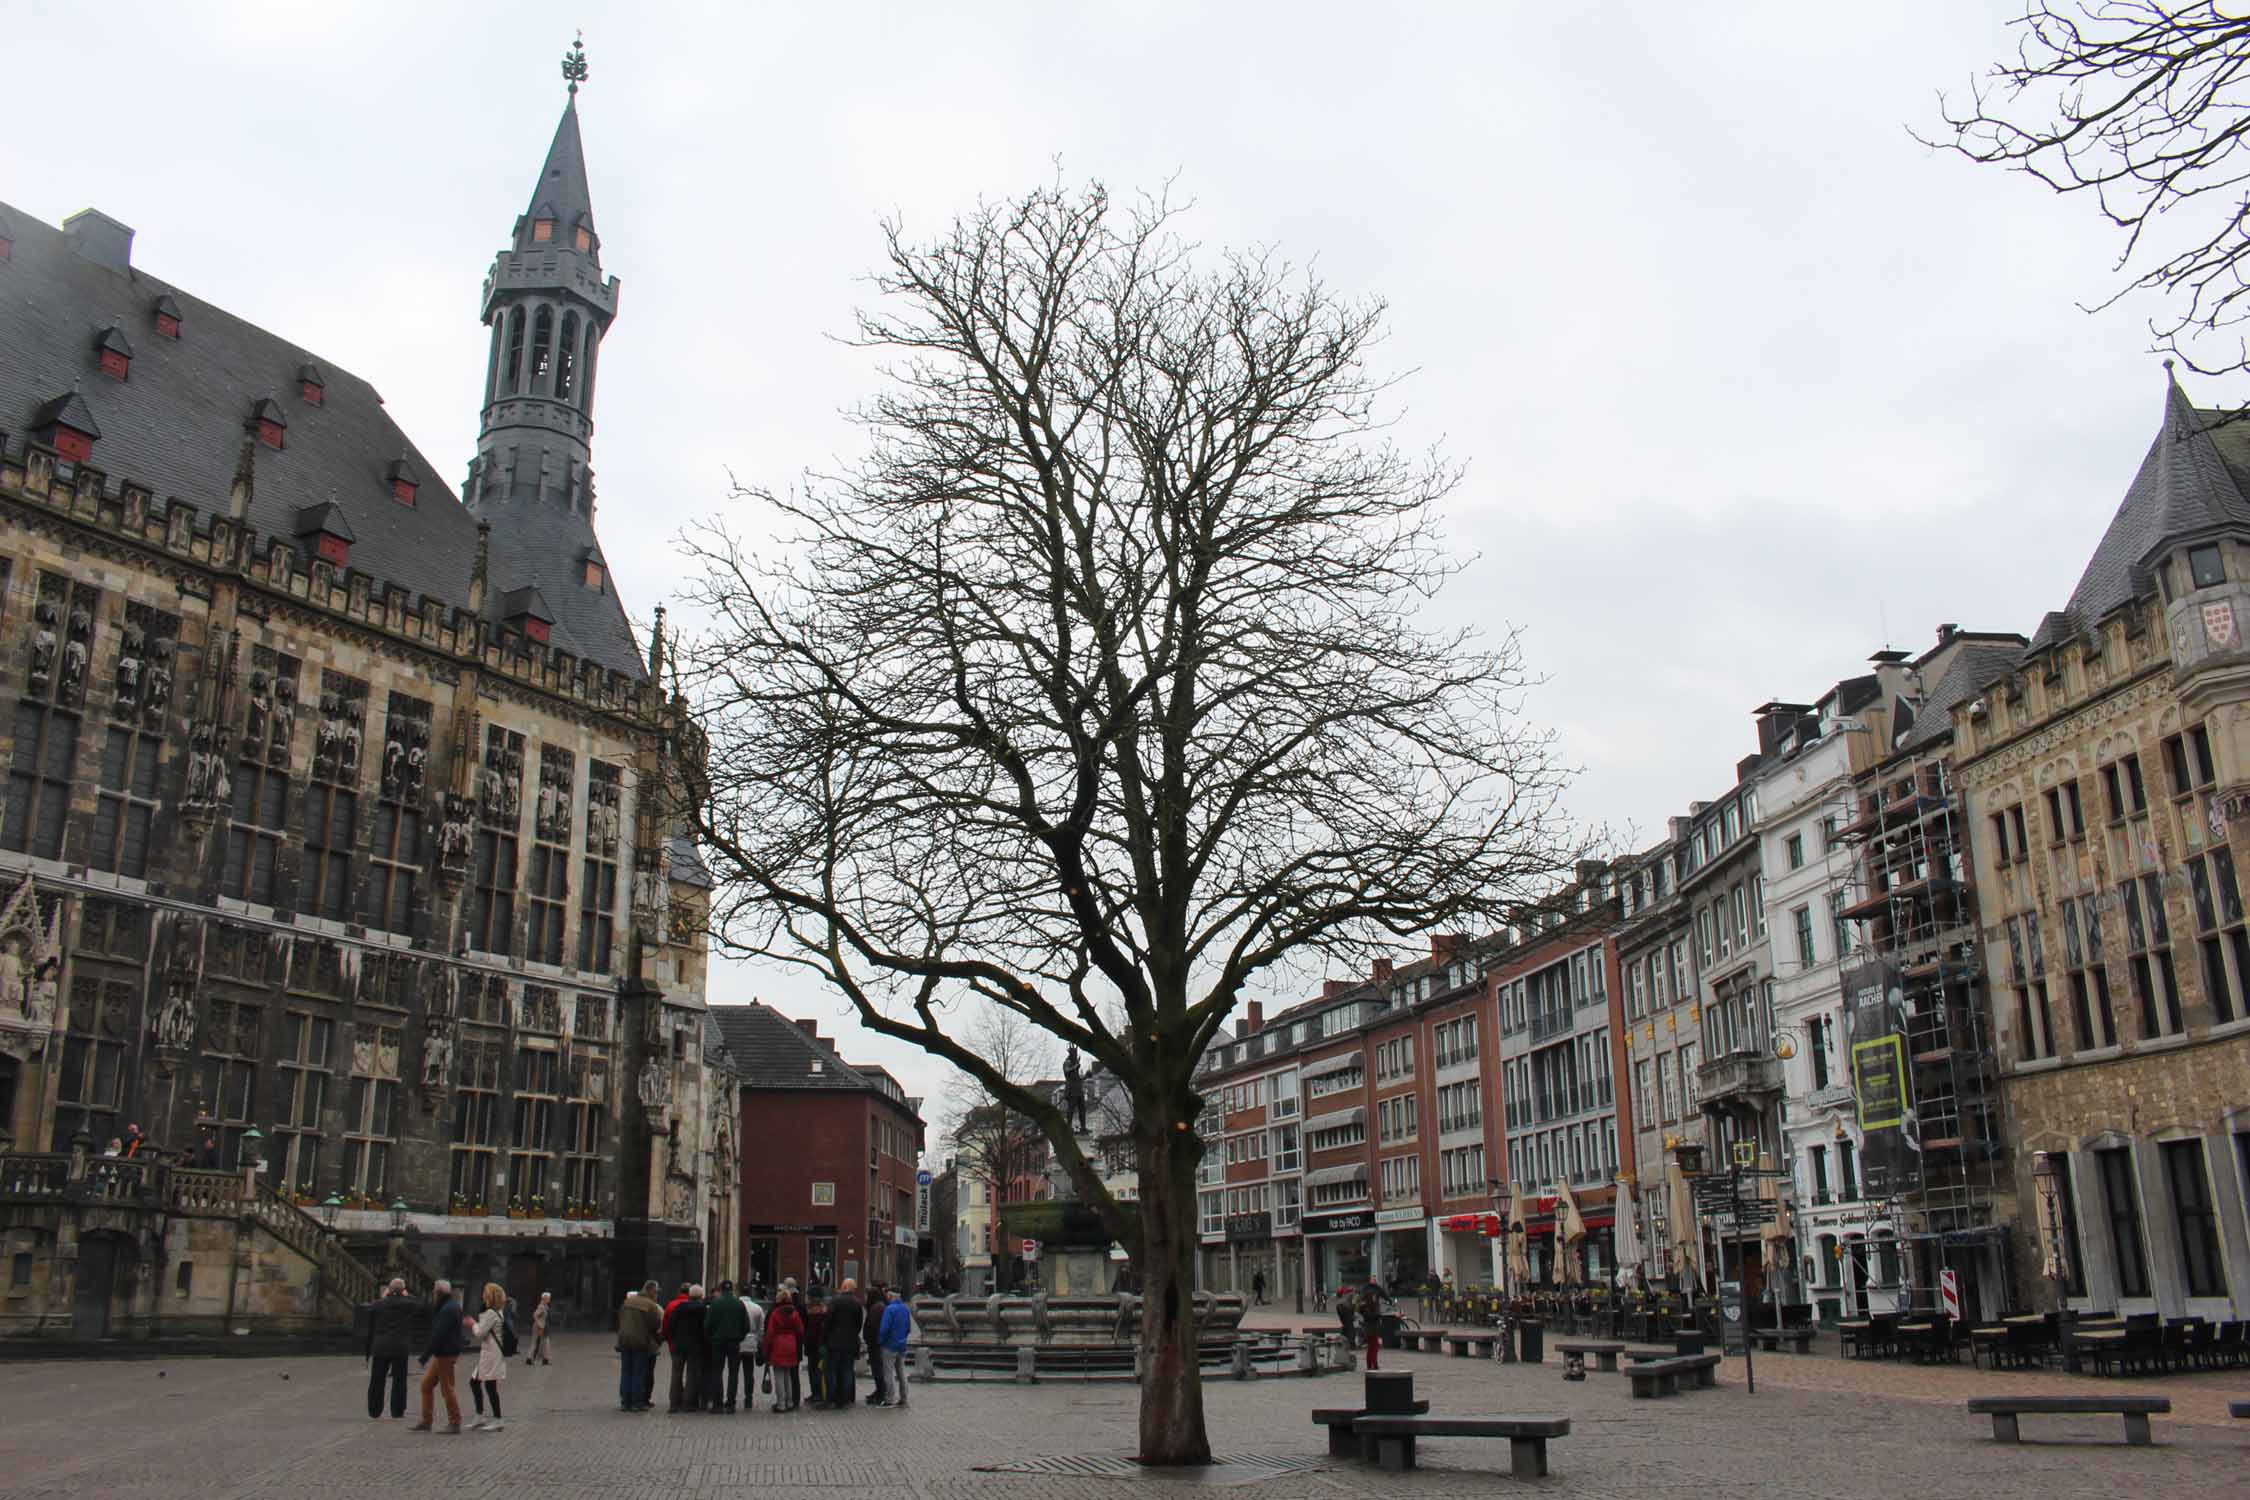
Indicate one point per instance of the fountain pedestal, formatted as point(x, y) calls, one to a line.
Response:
point(1075, 1271)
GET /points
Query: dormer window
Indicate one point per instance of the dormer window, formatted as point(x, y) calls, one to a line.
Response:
point(330, 535)
point(114, 353)
point(595, 576)
point(312, 389)
point(167, 317)
point(585, 240)
point(404, 481)
point(269, 420)
point(525, 610)
point(542, 231)
point(2205, 566)
point(66, 425)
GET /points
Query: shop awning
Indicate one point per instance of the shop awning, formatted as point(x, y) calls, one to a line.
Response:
point(1330, 1176)
point(1336, 1119)
point(1327, 1065)
point(1487, 1225)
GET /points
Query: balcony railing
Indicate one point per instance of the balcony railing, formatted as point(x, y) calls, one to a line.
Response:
point(1739, 1078)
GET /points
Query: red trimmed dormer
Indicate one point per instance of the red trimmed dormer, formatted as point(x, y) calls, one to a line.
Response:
point(271, 422)
point(404, 481)
point(113, 353)
point(525, 610)
point(312, 388)
point(66, 424)
point(330, 536)
point(167, 317)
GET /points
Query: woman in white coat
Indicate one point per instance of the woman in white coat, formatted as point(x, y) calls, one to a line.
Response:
point(492, 1365)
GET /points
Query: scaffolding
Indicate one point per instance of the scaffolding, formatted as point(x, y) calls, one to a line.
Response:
point(1917, 913)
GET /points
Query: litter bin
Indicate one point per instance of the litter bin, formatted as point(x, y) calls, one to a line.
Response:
point(1389, 1329)
point(1531, 1340)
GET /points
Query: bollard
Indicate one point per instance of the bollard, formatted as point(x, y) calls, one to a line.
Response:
point(1308, 1362)
point(1027, 1369)
point(1242, 1361)
point(925, 1368)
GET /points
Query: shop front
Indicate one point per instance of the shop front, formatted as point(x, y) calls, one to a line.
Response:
point(1462, 1248)
point(1403, 1252)
point(1340, 1248)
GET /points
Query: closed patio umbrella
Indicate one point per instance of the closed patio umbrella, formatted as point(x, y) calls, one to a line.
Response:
point(1687, 1233)
point(1570, 1230)
point(1628, 1231)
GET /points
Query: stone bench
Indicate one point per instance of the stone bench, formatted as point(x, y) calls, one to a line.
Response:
point(1424, 1340)
point(1339, 1421)
point(1463, 1345)
point(1605, 1352)
point(2004, 1410)
point(1662, 1377)
point(1799, 1340)
point(1394, 1438)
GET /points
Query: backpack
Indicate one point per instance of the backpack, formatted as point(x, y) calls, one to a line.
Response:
point(507, 1336)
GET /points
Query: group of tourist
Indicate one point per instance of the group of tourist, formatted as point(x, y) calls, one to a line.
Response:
point(718, 1344)
point(490, 1332)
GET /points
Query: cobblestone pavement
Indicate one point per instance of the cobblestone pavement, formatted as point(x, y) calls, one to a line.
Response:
point(252, 1429)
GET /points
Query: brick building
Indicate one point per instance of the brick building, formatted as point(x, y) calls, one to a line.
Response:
point(830, 1149)
point(2106, 776)
point(332, 828)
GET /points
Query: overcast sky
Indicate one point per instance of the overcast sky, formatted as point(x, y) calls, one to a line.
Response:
point(1749, 383)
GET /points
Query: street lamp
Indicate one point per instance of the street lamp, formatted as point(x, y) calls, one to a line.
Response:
point(330, 1206)
point(398, 1216)
point(254, 1147)
point(1503, 1198)
point(2046, 1178)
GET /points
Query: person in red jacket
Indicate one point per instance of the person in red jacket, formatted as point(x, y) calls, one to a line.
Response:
point(785, 1331)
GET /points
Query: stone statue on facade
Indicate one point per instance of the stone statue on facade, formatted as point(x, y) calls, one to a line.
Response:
point(655, 1086)
point(1074, 1092)
point(437, 1057)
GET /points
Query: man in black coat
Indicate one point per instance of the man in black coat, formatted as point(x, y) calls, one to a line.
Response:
point(390, 1331)
point(691, 1350)
point(841, 1335)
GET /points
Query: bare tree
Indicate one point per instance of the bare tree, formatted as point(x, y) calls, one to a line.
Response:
point(1097, 687)
point(994, 1142)
point(2141, 105)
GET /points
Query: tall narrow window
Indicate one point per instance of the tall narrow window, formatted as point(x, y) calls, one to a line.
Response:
point(512, 377)
point(371, 1112)
point(476, 1120)
point(92, 1091)
point(259, 814)
point(583, 1147)
point(492, 881)
point(331, 821)
point(227, 1078)
point(2149, 955)
point(550, 856)
point(125, 803)
point(2218, 921)
point(532, 1143)
point(542, 349)
point(2122, 1202)
point(46, 722)
point(566, 358)
point(295, 1153)
point(2200, 1264)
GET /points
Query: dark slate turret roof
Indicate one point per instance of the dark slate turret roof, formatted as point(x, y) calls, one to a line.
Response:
point(561, 192)
point(2186, 484)
point(770, 1051)
point(176, 426)
point(542, 545)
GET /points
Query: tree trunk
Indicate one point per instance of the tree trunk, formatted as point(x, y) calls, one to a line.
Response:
point(1172, 1430)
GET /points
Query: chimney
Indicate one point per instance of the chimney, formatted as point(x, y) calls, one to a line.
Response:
point(100, 238)
point(1590, 872)
point(1443, 944)
point(808, 1026)
point(1253, 1017)
point(1744, 766)
point(1946, 633)
point(1382, 974)
point(1331, 988)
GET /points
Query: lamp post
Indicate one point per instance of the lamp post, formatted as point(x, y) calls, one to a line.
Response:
point(253, 1150)
point(1503, 1197)
point(2046, 1178)
point(330, 1206)
point(398, 1216)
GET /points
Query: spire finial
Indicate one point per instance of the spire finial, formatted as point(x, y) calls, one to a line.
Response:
point(574, 64)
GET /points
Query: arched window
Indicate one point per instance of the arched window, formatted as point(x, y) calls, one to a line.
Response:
point(542, 349)
point(566, 357)
point(513, 379)
point(492, 360)
point(586, 384)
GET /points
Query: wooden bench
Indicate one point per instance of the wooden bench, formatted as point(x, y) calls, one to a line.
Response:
point(1799, 1340)
point(2134, 1409)
point(1394, 1438)
point(1466, 1344)
point(1661, 1377)
point(1605, 1352)
point(1339, 1419)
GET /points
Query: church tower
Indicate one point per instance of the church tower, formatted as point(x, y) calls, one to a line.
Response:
point(548, 306)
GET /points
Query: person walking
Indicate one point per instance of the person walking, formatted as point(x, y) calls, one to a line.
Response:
point(538, 1354)
point(893, 1330)
point(679, 1374)
point(753, 1351)
point(1347, 1311)
point(691, 1350)
point(390, 1326)
point(841, 1356)
point(1258, 1288)
point(492, 1360)
point(785, 1332)
point(445, 1346)
point(726, 1325)
point(639, 1329)
point(870, 1336)
point(815, 1309)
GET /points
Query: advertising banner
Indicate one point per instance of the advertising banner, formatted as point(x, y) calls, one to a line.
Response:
point(1882, 1091)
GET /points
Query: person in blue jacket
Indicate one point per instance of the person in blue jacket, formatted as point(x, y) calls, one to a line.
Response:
point(896, 1328)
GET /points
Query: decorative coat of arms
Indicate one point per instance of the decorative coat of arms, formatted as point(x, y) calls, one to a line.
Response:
point(2218, 624)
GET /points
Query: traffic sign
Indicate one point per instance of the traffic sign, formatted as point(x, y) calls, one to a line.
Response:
point(922, 1178)
point(1030, 1249)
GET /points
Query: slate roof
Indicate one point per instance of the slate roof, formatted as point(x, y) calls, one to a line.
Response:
point(176, 426)
point(2192, 480)
point(715, 1053)
point(687, 867)
point(542, 545)
point(1978, 665)
point(771, 1051)
point(561, 192)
